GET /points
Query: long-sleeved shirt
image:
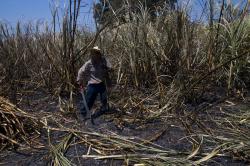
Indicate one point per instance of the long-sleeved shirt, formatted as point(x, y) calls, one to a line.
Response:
point(93, 74)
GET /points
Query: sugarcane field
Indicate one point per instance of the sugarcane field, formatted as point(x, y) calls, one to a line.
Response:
point(125, 83)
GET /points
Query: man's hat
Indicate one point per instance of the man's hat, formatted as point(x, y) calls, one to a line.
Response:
point(96, 48)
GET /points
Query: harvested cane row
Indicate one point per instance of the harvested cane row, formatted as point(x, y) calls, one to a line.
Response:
point(115, 147)
point(229, 139)
point(233, 133)
point(223, 132)
point(16, 125)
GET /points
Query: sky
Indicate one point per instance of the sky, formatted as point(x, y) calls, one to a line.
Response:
point(12, 11)
point(39, 10)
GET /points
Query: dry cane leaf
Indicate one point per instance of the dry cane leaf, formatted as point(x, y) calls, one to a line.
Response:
point(210, 155)
point(196, 150)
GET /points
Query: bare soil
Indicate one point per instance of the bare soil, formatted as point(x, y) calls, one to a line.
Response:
point(168, 132)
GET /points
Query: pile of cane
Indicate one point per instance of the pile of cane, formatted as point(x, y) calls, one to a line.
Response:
point(16, 125)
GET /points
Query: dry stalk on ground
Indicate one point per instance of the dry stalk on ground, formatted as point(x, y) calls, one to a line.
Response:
point(16, 126)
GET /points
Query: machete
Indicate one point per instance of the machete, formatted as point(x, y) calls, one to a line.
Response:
point(86, 105)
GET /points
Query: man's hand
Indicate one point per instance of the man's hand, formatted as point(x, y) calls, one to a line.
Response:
point(81, 87)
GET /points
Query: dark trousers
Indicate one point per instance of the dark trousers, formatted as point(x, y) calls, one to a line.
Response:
point(92, 92)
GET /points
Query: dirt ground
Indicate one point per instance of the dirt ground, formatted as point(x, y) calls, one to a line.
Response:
point(167, 133)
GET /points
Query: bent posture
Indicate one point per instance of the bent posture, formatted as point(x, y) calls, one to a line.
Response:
point(95, 73)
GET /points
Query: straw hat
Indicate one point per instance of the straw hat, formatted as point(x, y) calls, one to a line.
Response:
point(96, 48)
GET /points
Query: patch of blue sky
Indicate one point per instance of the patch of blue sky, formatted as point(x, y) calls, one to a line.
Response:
point(39, 11)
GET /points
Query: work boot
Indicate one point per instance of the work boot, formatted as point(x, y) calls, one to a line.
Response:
point(92, 120)
point(81, 116)
point(104, 109)
point(84, 114)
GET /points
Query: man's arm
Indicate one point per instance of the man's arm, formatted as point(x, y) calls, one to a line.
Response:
point(82, 75)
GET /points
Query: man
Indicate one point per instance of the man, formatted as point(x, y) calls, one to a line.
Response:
point(94, 73)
